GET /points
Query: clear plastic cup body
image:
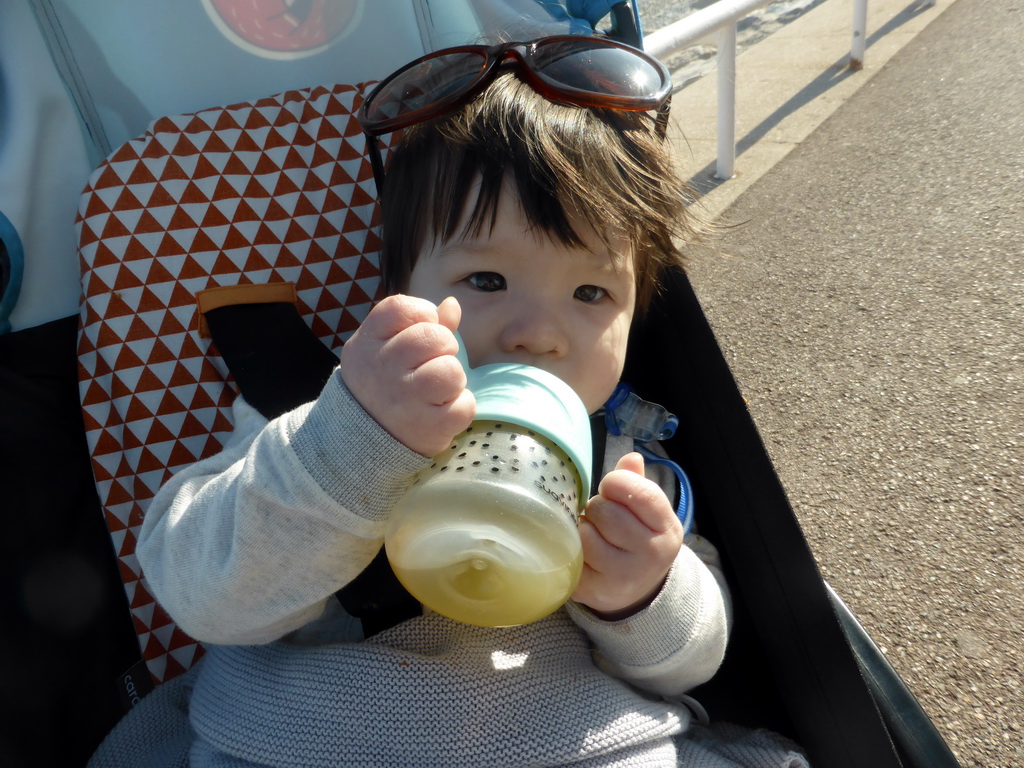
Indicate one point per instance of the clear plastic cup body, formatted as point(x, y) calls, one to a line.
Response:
point(488, 534)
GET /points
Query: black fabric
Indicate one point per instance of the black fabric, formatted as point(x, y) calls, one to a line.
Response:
point(276, 360)
point(789, 666)
point(279, 364)
point(377, 598)
point(67, 635)
point(599, 436)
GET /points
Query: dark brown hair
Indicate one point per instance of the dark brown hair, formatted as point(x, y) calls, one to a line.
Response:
point(606, 168)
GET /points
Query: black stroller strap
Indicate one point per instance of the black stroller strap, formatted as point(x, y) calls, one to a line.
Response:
point(599, 436)
point(276, 360)
point(278, 364)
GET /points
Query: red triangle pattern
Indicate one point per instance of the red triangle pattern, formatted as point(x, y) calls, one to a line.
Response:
point(274, 190)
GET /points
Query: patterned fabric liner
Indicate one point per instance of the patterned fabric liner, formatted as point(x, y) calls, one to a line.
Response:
point(278, 190)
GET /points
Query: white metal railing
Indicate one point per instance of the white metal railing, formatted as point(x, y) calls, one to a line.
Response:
point(722, 18)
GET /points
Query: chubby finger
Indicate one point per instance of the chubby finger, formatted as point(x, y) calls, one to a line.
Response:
point(395, 314)
point(642, 497)
point(599, 555)
point(439, 380)
point(631, 462)
point(421, 343)
point(613, 578)
point(449, 313)
point(609, 522)
point(429, 430)
point(459, 415)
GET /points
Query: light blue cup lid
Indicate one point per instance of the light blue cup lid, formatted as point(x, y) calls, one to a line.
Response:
point(537, 400)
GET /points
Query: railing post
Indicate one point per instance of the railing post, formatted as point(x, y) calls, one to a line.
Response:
point(860, 27)
point(726, 167)
point(722, 17)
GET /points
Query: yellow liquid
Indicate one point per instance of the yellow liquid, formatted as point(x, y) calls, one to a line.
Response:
point(484, 555)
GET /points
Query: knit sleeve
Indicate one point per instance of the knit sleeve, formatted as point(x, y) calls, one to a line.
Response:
point(249, 544)
point(678, 641)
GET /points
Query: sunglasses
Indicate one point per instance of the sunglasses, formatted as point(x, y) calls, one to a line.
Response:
point(581, 71)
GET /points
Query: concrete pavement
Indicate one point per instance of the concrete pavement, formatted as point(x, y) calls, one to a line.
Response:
point(871, 303)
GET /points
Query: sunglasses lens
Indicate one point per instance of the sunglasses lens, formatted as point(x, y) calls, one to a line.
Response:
point(599, 69)
point(425, 84)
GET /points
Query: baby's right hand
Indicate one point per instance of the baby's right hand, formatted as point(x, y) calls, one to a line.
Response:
point(400, 366)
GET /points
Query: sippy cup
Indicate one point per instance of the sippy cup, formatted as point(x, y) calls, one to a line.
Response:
point(487, 535)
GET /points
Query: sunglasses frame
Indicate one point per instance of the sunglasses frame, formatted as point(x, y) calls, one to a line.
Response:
point(522, 55)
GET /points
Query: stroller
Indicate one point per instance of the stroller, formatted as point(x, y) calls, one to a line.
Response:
point(103, 402)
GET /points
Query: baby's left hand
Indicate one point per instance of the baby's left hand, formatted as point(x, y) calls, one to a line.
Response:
point(631, 537)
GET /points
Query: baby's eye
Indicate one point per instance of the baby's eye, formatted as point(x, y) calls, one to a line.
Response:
point(589, 293)
point(487, 281)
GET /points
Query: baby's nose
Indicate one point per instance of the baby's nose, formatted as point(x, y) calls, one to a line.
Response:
point(535, 330)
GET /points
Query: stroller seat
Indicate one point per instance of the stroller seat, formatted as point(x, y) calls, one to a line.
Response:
point(278, 192)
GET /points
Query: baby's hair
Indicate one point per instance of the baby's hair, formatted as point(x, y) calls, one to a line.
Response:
point(604, 168)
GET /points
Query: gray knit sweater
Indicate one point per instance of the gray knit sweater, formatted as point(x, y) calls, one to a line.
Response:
point(246, 549)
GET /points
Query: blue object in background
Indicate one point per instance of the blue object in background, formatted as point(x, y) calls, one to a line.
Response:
point(12, 264)
point(591, 10)
point(582, 17)
point(582, 14)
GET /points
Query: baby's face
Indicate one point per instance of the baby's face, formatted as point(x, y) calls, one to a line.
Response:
point(528, 299)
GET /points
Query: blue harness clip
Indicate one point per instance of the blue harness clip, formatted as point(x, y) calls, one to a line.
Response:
point(628, 414)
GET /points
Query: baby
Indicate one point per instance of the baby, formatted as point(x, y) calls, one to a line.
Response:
point(537, 229)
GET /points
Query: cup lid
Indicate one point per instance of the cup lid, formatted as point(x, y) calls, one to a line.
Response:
point(537, 400)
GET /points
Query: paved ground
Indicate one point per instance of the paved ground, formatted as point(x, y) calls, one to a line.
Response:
point(871, 304)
